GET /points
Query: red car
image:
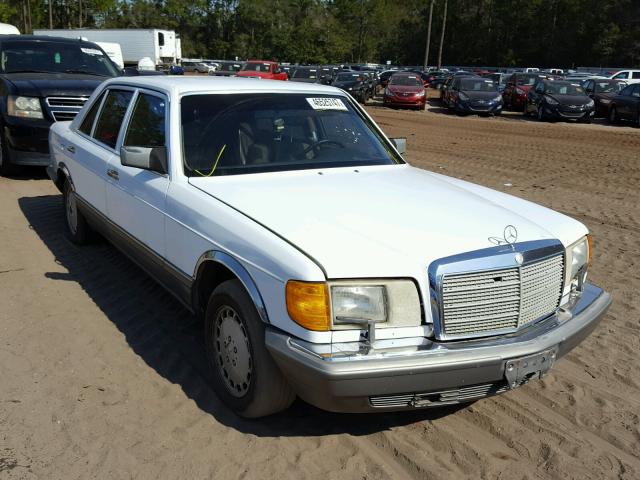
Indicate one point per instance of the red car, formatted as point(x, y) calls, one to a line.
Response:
point(516, 90)
point(263, 69)
point(405, 90)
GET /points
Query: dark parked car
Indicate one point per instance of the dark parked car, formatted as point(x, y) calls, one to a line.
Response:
point(500, 79)
point(602, 91)
point(444, 88)
point(226, 69)
point(311, 74)
point(474, 95)
point(405, 90)
point(385, 76)
point(517, 88)
point(354, 83)
point(43, 80)
point(557, 99)
point(626, 105)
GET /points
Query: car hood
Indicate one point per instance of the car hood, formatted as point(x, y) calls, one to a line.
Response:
point(383, 221)
point(53, 84)
point(571, 99)
point(474, 95)
point(405, 88)
point(345, 84)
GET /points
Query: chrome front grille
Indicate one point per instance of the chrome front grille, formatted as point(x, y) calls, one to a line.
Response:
point(435, 399)
point(497, 301)
point(65, 108)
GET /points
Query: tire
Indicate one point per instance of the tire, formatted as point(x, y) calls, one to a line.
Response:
point(638, 119)
point(244, 375)
point(6, 167)
point(541, 116)
point(613, 115)
point(77, 228)
point(525, 109)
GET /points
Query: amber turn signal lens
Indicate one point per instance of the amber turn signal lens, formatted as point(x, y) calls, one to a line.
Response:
point(308, 305)
point(590, 243)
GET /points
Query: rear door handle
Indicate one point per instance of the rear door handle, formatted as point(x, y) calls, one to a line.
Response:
point(113, 174)
point(71, 149)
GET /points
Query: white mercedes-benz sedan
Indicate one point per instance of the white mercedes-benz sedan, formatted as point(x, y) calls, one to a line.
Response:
point(322, 264)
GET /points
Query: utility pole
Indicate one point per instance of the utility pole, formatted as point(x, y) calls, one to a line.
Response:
point(444, 26)
point(426, 54)
point(50, 14)
point(79, 13)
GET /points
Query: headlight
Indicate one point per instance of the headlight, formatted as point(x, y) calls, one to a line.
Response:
point(421, 94)
point(359, 304)
point(519, 91)
point(591, 103)
point(24, 107)
point(497, 99)
point(551, 101)
point(462, 96)
point(348, 304)
point(605, 101)
point(578, 258)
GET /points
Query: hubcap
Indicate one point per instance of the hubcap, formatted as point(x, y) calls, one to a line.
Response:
point(233, 355)
point(72, 211)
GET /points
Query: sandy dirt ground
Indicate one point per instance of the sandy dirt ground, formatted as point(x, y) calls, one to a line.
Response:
point(101, 372)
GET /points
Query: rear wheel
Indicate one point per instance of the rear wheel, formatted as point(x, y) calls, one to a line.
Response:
point(245, 377)
point(77, 227)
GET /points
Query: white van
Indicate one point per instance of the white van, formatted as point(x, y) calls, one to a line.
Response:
point(8, 29)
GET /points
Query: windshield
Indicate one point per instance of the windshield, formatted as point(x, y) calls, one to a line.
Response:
point(54, 57)
point(348, 77)
point(609, 87)
point(405, 80)
point(257, 67)
point(305, 73)
point(563, 89)
point(526, 79)
point(251, 133)
point(480, 85)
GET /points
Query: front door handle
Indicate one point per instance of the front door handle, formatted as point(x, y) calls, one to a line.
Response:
point(71, 149)
point(113, 174)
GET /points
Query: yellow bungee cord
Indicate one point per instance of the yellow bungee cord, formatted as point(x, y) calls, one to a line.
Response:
point(214, 165)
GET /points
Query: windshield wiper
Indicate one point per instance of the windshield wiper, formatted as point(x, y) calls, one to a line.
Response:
point(27, 71)
point(84, 72)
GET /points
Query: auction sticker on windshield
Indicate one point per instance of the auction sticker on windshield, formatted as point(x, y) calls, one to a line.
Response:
point(327, 104)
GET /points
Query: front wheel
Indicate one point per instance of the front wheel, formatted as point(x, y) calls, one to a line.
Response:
point(541, 116)
point(613, 115)
point(6, 167)
point(245, 377)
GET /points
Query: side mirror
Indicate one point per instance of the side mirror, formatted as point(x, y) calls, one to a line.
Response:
point(400, 143)
point(147, 158)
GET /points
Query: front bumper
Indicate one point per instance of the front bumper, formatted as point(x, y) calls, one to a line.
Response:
point(404, 101)
point(469, 107)
point(426, 373)
point(27, 141)
point(562, 114)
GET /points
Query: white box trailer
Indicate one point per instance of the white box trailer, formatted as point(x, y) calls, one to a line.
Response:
point(162, 46)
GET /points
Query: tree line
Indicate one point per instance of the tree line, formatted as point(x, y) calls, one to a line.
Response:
point(547, 33)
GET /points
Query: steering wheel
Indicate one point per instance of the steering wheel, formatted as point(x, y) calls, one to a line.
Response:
point(316, 146)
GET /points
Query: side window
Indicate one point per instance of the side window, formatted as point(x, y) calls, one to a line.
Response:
point(87, 121)
point(161, 39)
point(622, 75)
point(147, 125)
point(627, 91)
point(110, 119)
point(636, 75)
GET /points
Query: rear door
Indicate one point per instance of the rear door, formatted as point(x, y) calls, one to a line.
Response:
point(136, 196)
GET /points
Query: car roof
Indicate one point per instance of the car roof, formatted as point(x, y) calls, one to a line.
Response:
point(45, 38)
point(178, 85)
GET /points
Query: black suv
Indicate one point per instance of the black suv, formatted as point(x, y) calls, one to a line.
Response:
point(43, 80)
